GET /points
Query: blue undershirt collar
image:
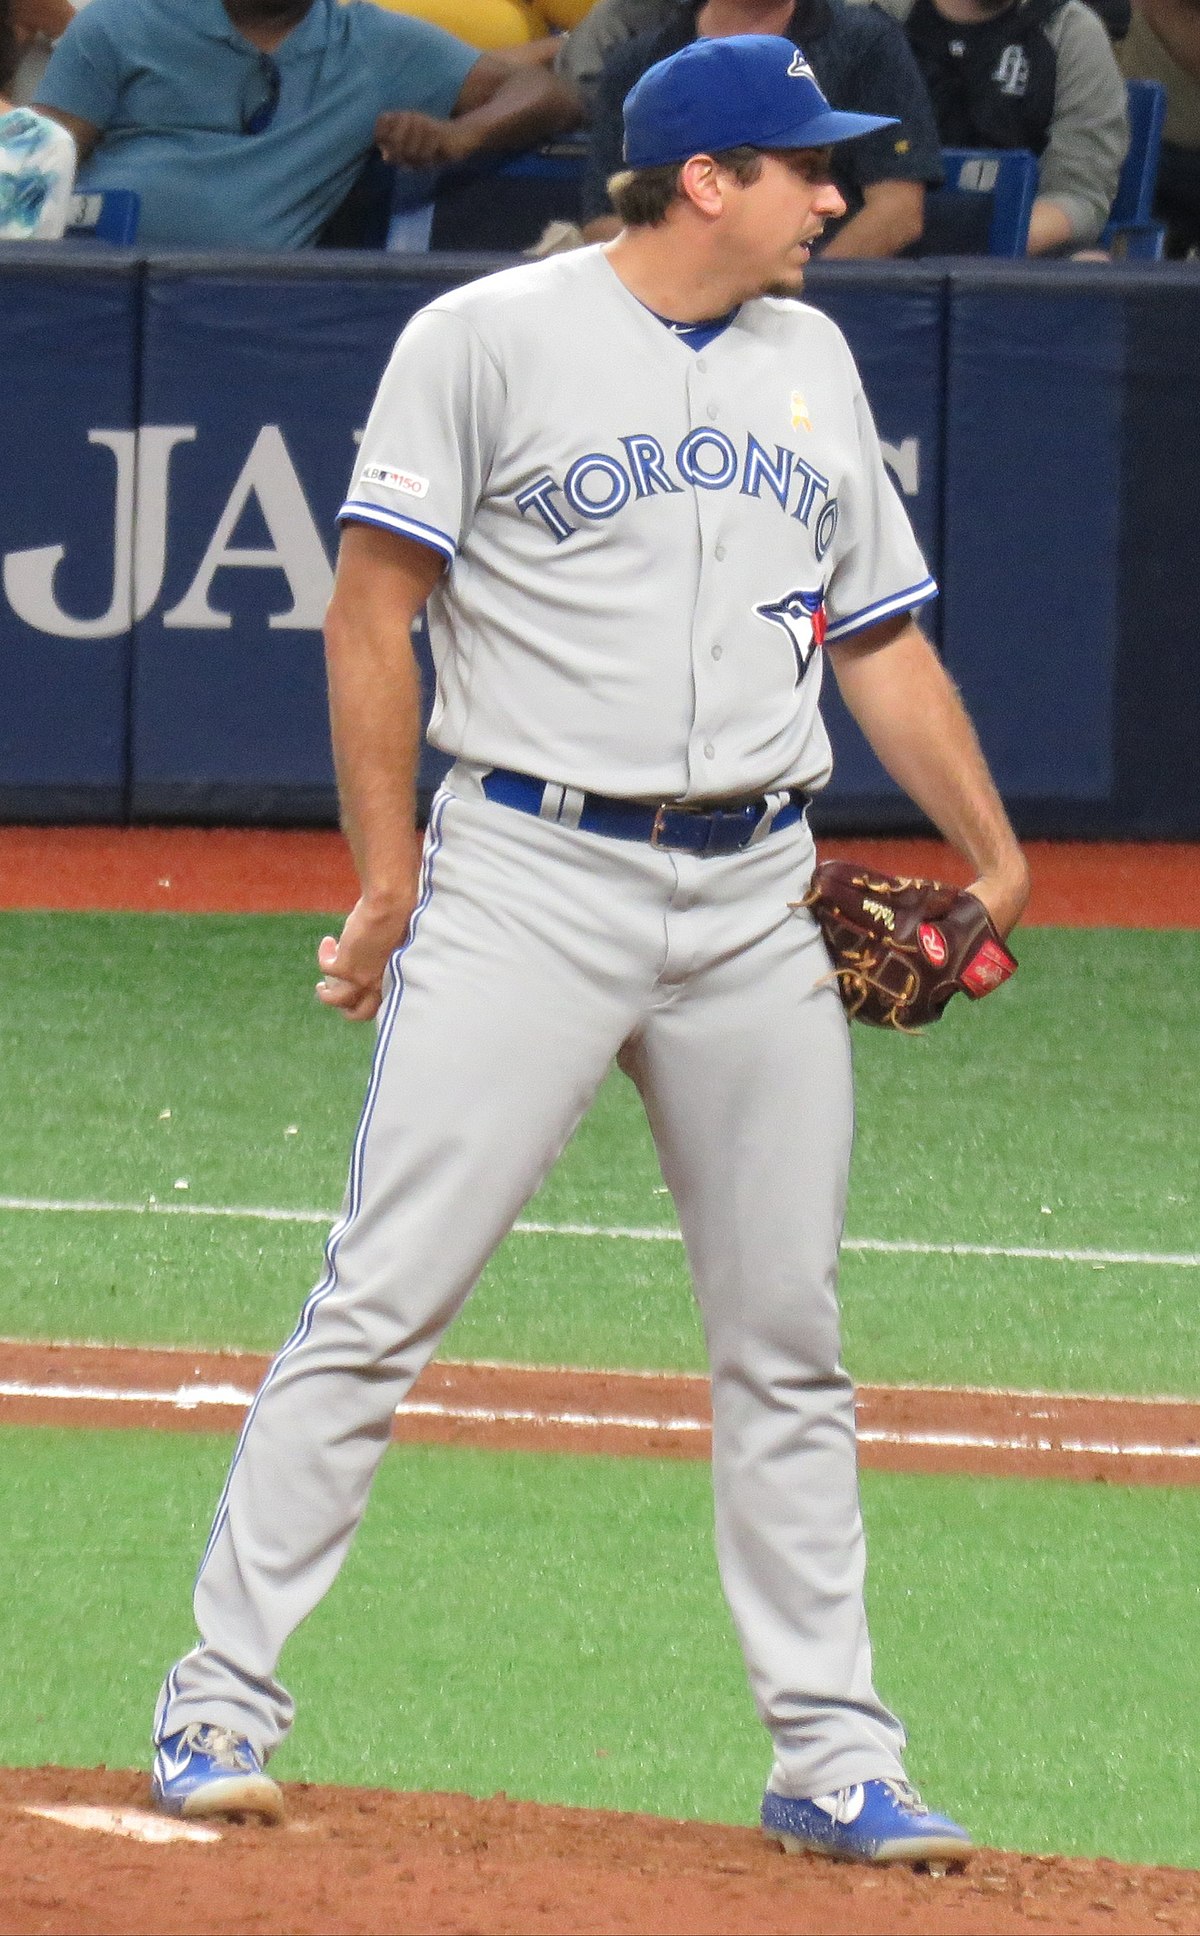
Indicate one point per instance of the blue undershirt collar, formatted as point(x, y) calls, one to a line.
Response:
point(697, 335)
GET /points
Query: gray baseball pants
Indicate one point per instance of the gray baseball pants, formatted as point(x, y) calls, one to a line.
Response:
point(536, 956)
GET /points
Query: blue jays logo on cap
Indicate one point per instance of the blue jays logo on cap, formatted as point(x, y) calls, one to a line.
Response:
point(737, 91)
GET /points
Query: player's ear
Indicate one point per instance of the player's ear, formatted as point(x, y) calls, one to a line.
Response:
point(703, 184)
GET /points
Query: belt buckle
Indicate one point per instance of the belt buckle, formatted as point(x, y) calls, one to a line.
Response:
point(669, 840)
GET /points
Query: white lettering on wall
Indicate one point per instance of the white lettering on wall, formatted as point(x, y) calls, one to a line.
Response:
point(138, 548)
point(296, 549)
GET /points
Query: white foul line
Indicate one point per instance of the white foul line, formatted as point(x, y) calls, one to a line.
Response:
point(977, 1442)
point(251, 1213)
point(188, 1397)
point(633, 1233)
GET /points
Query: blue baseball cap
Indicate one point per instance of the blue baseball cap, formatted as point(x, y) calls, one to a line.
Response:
point(736, 91)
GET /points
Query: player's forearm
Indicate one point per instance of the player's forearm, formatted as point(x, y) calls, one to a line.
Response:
point(909, 709)
point(375, 715)
point(374, 712)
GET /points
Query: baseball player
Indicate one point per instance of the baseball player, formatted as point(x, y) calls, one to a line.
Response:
point(644, 500)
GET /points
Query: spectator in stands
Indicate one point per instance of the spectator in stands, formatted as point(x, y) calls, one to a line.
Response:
point(37, 25)
point(37, 158)
point(1036, 74)
point(580, 55)
point(861, 62)
point(1164, 45)
point(245, 123)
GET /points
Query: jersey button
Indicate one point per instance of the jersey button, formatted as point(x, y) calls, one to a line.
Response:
point(718, 552)
point(710, 752)
point(713, 412)
point(716, 652)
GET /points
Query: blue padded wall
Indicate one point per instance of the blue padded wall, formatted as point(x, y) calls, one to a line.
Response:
point(178, 433)
point(264, 373)
point(68, 411)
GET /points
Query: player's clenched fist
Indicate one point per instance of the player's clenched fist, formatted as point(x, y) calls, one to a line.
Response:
point(352, 968)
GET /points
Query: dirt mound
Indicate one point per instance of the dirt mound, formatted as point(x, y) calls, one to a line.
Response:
point(369, 1862)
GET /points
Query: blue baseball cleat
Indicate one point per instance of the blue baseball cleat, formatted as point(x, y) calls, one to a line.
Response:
point(875, 1821)
point(205, 1770)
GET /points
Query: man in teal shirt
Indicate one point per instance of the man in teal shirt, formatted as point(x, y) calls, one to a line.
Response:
point(244, 123)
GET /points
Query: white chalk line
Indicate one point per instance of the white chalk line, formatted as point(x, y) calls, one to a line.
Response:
point(979, 1442)
point(633, 1233)
point(188, 1397)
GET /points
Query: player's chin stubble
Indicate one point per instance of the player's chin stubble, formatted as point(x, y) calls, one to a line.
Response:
point(789, 285)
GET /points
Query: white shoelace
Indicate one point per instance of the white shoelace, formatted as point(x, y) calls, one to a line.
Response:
point(906, 1795)
point(221, 1745)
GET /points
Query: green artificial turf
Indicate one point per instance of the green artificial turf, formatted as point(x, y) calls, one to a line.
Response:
point(1059, 1115)
point(547, 1300)
point(554, 1628)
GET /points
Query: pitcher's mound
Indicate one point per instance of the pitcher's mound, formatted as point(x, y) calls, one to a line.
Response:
point(371, 1862)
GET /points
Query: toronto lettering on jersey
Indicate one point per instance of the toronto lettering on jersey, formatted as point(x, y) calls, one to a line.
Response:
point(143, 535)
point(599, 485)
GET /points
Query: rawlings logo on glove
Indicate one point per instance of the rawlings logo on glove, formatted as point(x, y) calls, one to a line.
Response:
point(901, 948)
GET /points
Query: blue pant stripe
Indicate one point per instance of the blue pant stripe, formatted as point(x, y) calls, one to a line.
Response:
point(329, 1281)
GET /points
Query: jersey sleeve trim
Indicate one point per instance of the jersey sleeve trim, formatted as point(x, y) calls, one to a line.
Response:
point(844, 628)
point(356, 512)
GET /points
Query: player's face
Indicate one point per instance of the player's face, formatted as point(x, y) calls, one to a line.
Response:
point(774, 221)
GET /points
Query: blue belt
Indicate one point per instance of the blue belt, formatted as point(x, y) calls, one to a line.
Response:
point(696, 830)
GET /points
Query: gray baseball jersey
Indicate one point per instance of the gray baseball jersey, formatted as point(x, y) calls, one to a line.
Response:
point(646, 543)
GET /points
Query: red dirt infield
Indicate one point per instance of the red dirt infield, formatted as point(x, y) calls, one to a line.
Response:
point(223, 870)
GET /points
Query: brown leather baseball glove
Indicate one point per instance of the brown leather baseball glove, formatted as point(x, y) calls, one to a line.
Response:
point(901, 948)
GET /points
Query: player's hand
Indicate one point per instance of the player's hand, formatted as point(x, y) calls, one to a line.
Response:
point(352, 968)
point(416, 140)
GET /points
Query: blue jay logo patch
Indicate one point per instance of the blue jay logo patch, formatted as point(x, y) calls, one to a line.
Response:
point(802, 616)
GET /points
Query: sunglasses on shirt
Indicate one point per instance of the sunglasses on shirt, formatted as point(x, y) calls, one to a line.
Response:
point(265, 97)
